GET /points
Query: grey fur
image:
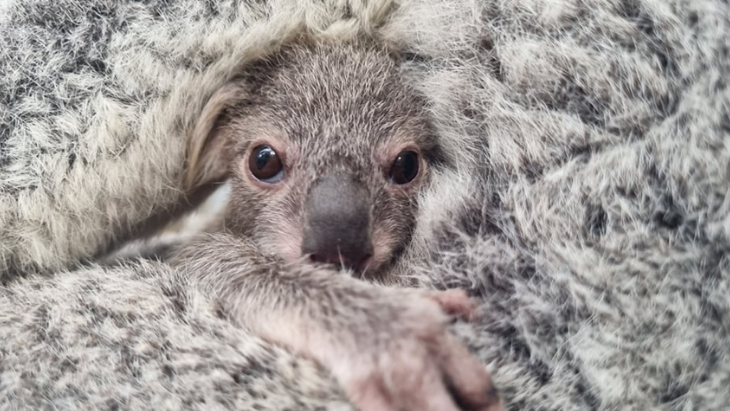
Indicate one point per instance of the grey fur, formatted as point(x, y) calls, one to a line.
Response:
point(590, 211)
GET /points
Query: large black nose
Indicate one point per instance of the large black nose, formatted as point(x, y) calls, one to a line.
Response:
point(337, 222)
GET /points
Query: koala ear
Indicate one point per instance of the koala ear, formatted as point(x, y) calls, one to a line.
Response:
point(209, 146)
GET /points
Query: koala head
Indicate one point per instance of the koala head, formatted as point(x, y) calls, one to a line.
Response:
point(326, 149)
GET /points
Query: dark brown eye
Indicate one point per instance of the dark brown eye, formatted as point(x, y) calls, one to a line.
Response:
point(404, 168)
point(266, 165)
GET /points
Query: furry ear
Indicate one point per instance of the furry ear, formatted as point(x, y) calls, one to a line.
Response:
point(209, 146)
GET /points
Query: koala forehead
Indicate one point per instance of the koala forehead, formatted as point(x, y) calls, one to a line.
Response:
point(348, 99)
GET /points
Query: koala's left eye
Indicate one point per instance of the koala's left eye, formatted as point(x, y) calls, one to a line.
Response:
point(266, 165)
point(404, 168)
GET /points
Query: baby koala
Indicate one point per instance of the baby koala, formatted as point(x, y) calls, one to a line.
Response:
point(326, 149)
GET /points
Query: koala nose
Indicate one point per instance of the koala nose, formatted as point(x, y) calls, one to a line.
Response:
point(337, 222)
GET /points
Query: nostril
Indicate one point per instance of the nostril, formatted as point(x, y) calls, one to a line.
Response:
point(319, 258)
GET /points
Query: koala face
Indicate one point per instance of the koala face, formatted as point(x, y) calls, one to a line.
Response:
point(327, 149)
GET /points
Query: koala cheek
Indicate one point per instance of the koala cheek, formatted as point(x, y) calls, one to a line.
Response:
point(284, 240)
point(385, 240)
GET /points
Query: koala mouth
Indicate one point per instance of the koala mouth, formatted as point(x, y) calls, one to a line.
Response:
point(359, 263)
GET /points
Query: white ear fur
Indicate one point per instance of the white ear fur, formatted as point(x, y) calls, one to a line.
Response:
point(208, 146)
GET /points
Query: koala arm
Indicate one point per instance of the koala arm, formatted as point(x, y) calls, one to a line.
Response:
point(388, 347)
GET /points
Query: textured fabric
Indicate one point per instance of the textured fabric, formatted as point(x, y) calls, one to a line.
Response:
point(590, 214)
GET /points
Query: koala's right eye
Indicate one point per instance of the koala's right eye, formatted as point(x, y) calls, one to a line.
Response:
point(266, 165)
point(404, 168)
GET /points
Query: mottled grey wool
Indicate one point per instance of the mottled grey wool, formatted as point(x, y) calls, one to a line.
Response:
point(590, 213)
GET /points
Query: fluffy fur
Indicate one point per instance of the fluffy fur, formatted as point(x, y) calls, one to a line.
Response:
point(590, 214)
